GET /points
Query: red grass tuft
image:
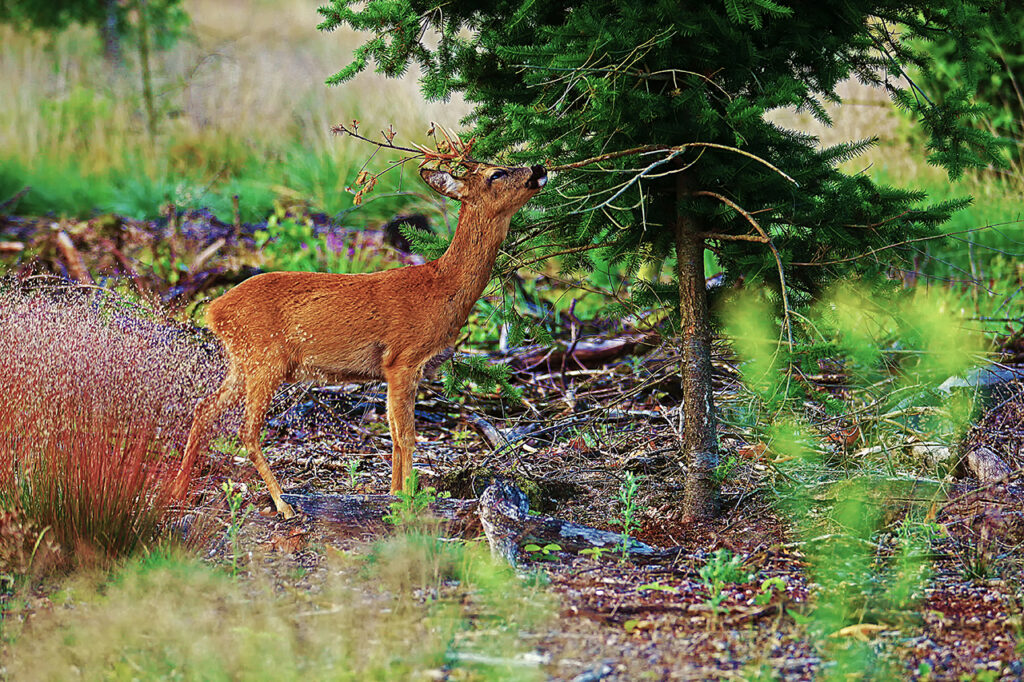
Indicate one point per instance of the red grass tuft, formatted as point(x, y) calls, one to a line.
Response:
point(96, 404)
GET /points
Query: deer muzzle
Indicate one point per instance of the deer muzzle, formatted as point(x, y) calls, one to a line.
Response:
point(538, 177)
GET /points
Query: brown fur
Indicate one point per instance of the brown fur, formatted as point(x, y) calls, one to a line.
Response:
point(290, 326)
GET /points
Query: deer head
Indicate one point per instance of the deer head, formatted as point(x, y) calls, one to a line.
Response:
point(501, 190)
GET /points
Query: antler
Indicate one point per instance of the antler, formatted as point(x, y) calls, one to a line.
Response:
point(449, 152)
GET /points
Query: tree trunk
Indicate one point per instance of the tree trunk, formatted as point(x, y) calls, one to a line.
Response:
point(147, 76)
point(111, 34)
point(700, 438)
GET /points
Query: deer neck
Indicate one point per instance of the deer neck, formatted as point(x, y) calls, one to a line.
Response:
point(467, 264)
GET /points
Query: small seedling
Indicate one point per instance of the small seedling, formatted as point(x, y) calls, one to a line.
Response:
point(353, 472)
point(724, 470)
point(630, 507)
point(768, 589)
point(596, 552)
point(461, 437)
point(235, 495)
point(229, 446)
point(545, 553)
point(658, 587)
point(723, 567)
point(412, 501)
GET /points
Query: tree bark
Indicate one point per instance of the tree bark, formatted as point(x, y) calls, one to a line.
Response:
point(147, 76)
point(111, 34)
point(700, 438)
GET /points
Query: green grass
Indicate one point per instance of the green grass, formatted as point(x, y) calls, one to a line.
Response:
point(981, 262)
point(412, 607)
point(241, 107)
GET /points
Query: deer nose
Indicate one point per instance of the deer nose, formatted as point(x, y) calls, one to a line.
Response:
point(538, 177)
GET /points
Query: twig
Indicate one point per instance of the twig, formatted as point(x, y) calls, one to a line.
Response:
point(13, 201)
point(903, 243)
point(341, 129)
point(647, 149)
point(72, 258)
point(771, 245)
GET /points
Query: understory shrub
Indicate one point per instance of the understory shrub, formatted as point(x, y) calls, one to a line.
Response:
point(97, 401)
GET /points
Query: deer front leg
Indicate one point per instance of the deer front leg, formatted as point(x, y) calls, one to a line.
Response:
point(206, 412)
point(259, 389)
point(402, 384)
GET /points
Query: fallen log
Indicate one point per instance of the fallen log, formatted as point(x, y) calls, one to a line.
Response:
point(588, 353)
point(502, 510)
point(363, 510)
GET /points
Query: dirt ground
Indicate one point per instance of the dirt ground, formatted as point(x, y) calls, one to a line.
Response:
point(619, 620)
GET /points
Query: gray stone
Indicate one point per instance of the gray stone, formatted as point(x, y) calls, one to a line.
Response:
point(935, 455)
point(983, 378)
point(988, 466)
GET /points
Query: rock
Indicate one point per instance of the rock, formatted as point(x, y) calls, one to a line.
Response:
point(594, 674)
point(935, 455)
point(988, 466)
point(983, 378)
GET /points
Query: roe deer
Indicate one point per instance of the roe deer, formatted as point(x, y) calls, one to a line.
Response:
point(288, 326)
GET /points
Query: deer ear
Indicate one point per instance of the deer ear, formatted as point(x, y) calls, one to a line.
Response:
point(443, 183)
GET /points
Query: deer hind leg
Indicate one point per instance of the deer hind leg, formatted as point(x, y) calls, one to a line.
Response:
point(402, 383)
point(231, 391)
point(259, 389)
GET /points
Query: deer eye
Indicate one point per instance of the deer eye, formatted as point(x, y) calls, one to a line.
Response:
point(497, 174)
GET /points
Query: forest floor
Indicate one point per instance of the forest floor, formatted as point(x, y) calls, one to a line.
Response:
point(620, 620)
point(601, 404)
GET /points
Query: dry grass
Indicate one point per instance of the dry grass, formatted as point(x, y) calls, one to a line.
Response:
point(868, 112)
point(244, 96)
point(432, 611)
point(97, 399)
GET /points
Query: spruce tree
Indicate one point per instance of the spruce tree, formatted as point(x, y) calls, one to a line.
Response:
point(672, 98)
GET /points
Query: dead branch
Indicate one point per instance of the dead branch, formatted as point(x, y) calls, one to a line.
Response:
point(72, 259)
point(735, 237)
point(652, 148)
point(503, 512)
point(450, 152)
point(771, 245)
point(10, 203)
point(588, 352)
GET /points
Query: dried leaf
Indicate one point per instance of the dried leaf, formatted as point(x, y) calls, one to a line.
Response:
point(861, 631)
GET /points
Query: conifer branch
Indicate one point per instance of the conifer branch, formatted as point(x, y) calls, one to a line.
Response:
point(723, 237)
point(764, 239)
point(931, 237)
point(578, 249)
point(652, 148)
